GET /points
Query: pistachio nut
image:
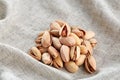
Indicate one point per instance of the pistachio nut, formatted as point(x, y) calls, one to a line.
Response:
point(65, 30)
point(90, 64)
point(81, 60)
point(46, 58)
point(46, 39)
point(55, 33)
point(55, 26)
point(74, 53)
point(43, 49)
point(93, 42)
point(65, 52)
point(56, 43)
point(71, 66)
point(53, 52)
point(79, 32)
point(88, 46)
point(57, 62)
point(35, 53)
point(69, 41)
point(83, 49)
point(89, 35)
point(78, 40)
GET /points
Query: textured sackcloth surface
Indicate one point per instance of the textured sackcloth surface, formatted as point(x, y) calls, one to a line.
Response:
point(22, 20)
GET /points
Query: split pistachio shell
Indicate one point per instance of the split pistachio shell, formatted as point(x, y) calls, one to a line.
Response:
point(90, 64)
point(78, 40)
point(35, 53)
point(79, 32)
point(53, 52)
point(65, 52)
point(69, 41)
point(89, 47)
point(56, 43)
point(46, 58)
point(71, 66)
point(55, 33)
point(81, 60)
point(46, 39)
point(57, 62)
point(75, 53)
point(89, 35)
point(65, 30)
point(55, 26)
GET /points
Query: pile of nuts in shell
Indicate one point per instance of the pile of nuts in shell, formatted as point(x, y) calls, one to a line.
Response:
point(65, 46)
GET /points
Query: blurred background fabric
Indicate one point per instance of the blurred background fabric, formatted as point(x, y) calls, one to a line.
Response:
point(22, 20)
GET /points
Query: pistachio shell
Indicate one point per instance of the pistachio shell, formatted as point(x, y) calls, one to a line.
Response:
point(90, 64)
point(79, 32)
point(83, 49)
point(69, 41)
point(64, 52)
point(46, 39)
point(89, 35)
point(53, 52)
point(60, 22)
point(93, 42)
point(55, 26)
point(78, 40)
point(71, 67)
point(57, 62)
point(81, 60)
point(35, 53)
point(65, 30)
point(55, 33)
point(56, 43)
point(46, 58)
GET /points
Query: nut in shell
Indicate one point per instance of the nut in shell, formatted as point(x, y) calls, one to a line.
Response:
point(46, 39)
point(74, 53)
point(81, 60)
point(65, 52)
point(56, 43)
point(57, 62)
point(46, 58)
point(90, 64)
point(65, 30)
point(69, 41)
point(53, 52)
point(71, 66)
point(35, 53)
point(55, 26)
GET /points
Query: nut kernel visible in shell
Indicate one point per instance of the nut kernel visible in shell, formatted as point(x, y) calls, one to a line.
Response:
point(35, 53)
point(71, 67)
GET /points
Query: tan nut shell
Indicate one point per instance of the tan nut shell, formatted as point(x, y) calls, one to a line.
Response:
point(46, 39)
point(65, 52)
point(69, 41)
point(57, 62)
point(75, 53)
point(46, 58)
point(35, 53)
point(56, 43)
point(71, 67)
point(81, 60)
point(89, 35)
point(55, 26)
point(65, 30)
point(90, 64)
point(53, 52)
